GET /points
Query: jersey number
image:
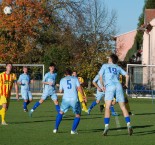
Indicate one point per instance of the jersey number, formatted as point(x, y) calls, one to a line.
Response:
point(113, 70)
point(69, 85)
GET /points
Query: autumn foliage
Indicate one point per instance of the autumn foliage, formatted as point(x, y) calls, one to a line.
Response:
point(20, 30)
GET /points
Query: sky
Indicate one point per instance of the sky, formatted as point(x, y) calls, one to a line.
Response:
point(128, 12)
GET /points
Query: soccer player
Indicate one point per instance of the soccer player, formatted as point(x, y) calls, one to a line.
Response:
point(82, 101)
point(99, 95)
point(7, 79)
point(49, 89)
point(70, 86)
point(24, 81)
point(109, 79)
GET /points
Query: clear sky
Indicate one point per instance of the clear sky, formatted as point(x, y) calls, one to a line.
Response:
point(128, 12)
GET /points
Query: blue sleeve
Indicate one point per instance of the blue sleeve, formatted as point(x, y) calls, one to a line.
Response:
point(45, 78)
point(96, 78)
point(77, 83)
point(20, 79)
point(101, 72)
point(123, 72)
point(61, 85)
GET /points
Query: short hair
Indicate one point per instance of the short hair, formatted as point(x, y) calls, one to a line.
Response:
point(25, 67)
point(68, 72)
point(52, 64)
point(9, 63)
point(114, 58)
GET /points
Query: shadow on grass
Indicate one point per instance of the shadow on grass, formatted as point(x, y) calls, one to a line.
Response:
point(145, 114)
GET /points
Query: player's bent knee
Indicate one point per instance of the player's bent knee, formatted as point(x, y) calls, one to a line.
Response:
point(77, 115)
point(97, 101)
point(41, 101)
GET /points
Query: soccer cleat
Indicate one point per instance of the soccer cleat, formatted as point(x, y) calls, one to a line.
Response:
point(30, 113)
point(55, 131)
point(25, 110)
point(105, 131)
point(130, 130)
point(88, 111)
point(4, 123)
point(114, 114)
point(74, 132)
point(85, 110)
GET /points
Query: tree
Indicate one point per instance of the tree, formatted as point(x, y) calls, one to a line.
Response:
point(20, 31)
point(149, 4)
point(95, 33)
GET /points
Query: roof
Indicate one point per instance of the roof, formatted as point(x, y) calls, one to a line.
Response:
point(149, 15)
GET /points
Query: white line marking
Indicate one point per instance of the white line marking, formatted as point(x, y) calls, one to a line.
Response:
point(118, 125)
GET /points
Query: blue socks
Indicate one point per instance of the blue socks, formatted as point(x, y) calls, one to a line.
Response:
point(75, 123)
point(127, 119)
point(57, 107)
point(106, 120)
point(36, 105)
point(112, 109)
point(58, 120)
point(28, 102)
point(25, 105)
point(93, 105)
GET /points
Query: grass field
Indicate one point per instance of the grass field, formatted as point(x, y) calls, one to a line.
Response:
point(23, 130)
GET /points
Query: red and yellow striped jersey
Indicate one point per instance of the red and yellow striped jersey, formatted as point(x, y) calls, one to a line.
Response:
point(6, 83)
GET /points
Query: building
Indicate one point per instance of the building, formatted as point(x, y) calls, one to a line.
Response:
point(124, 43)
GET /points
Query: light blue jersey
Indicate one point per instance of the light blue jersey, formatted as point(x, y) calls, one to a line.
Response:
point(69, 85)
point(48, 89)
point(113, 87)
point(24, 79)
point(111, 73)
point(50, 77)
point(99, 95)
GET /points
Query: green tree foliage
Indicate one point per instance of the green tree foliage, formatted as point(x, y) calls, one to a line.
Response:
point(149, 4)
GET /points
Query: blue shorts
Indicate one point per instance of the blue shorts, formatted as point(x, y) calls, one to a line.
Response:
point(26, 95)
point(53, 95)
point(71, 103)
point(112, 90)
point(99, 95)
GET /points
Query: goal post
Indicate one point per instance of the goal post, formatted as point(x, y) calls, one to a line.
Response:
point(142, 80)
point(36, 72)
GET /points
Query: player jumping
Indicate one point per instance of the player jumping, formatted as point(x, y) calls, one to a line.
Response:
point(49, 89)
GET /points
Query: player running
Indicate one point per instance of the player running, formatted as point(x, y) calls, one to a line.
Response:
point(70, 86)
point(109, 79)
point(24, 81)
point(99, 95)
point(7, 79)
point(49, 89)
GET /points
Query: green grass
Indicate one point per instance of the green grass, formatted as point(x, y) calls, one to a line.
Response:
point(23, 130)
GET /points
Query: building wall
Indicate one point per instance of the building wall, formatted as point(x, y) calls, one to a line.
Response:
point(124, 43)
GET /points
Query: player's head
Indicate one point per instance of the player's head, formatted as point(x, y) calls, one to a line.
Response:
point(25, 69)
point(52, 67)
point(74, 73)
point(113, 58)
point(68, 72)
point(9, 67)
